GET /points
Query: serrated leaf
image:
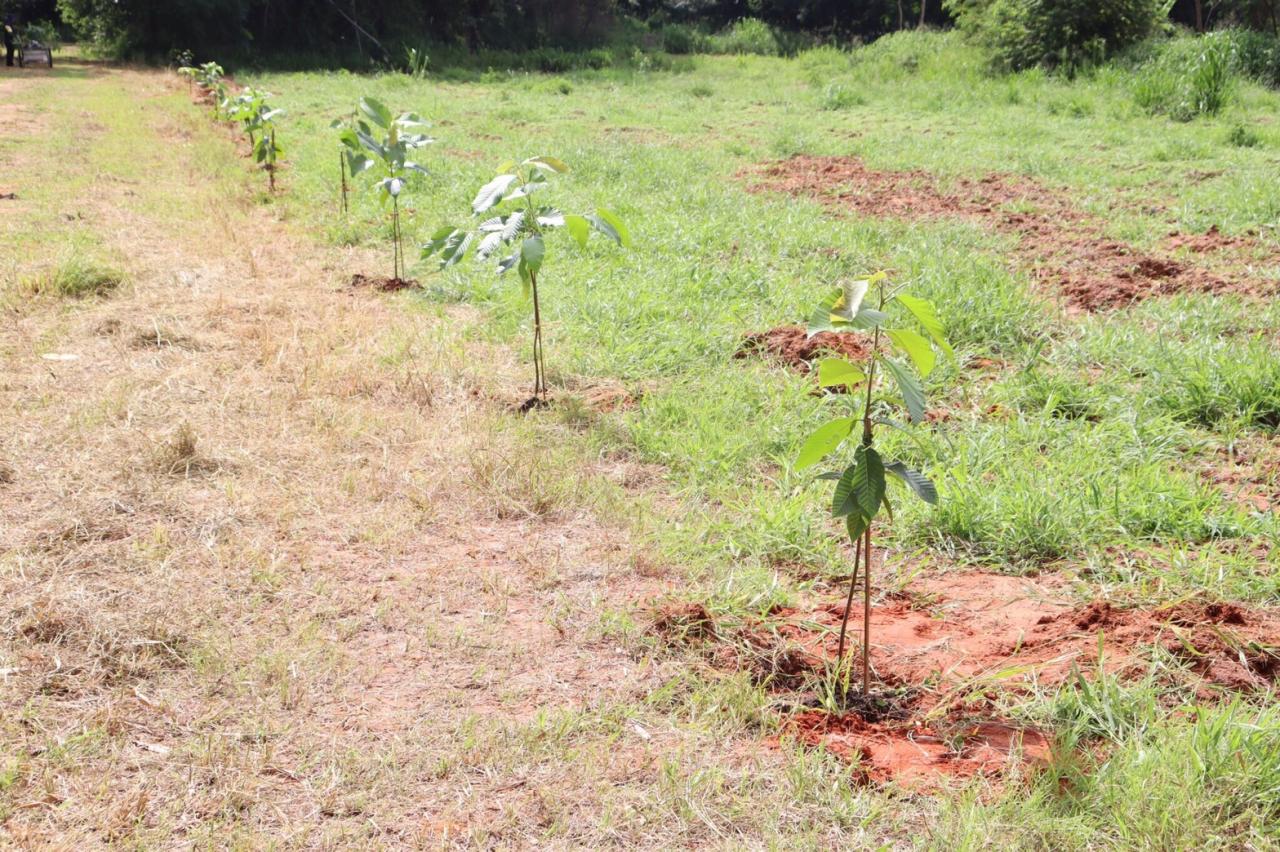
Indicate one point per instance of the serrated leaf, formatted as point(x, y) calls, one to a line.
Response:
point(917, 482)
point(513, 225)
point(508, 263)
point(909, 387)
point(488, 245)
point(834, 372)
point(927, 315)
point(916, 347)
point(868, 481)
point(491, 193)
point(823, 442)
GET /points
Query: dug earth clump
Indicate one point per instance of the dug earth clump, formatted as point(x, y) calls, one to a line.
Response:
point(792, 346)
point(384, 285)
point(946, 654)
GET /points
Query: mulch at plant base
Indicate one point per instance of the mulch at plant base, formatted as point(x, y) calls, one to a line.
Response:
point(385, 285)
point(947, 649)
point(1067, 250)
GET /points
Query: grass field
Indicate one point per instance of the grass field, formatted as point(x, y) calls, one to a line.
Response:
point(282, 568)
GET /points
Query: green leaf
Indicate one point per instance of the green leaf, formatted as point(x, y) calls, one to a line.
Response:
point(611, 226)
point(822, 319)
point(916, 347)
point(850, 302)
point(823, 442)
point(868, 481)
point(531, 254)
point(376, 111)
point(833, 372)
point(856, 525)
point(451, 243)
point(550, 164)
point(909, 386)
point(579, 228)
point(927, 315)
point(491, 193)
point(845, 502)
point(917, 482)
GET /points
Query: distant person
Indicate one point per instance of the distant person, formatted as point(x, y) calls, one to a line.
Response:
point(10, 38)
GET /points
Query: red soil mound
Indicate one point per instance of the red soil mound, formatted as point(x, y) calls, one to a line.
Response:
point(386, 285)
point(965, 634)
point(1067, 250)
point(791, 345)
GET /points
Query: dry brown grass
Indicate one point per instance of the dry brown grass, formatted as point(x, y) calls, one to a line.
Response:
point(253, 588)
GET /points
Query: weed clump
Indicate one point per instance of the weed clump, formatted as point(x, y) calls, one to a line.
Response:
point(78, 277)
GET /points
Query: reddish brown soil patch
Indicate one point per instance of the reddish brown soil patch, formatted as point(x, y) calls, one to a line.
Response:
point(1068, 251)
point(918, 755)
point(1249, 475)
point(962, 636)
point(677, 623)
point(386, 285)
point(1210, 241)
point(792, 346)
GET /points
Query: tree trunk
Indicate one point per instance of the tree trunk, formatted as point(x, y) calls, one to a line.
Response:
point(924, 8)
point(902, 16)
point(1199, 16)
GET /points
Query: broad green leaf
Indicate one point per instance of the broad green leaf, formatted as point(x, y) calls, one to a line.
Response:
point(822, 318)
point(513, 225)
point(844, 501)
point(491, 193)
point(909, 386)
point(927, 315)
point(611, 226)
point(508, 263)
point(917, 482)
point(531, 254)
point(579, 228)
point(856, 525)
point(916, 347)
point(833, 372)
point(377, 112)
point(850, 302)
point(868, 481)
point(822, 442)
point(550, 164)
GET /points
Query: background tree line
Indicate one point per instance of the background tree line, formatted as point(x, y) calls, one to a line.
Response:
point(1020, 31)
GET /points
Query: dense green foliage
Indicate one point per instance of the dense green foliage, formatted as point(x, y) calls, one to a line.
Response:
point(1068, 33)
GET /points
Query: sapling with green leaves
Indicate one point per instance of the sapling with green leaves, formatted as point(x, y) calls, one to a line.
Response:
point(906, 339)
point(266, 151)
point(517, 234)
point(386, 151)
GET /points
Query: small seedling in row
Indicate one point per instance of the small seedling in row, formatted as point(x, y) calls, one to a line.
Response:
point(346, 128)
point(520, 229)
point(388, 156)
point(209, 77)
point(860, 491)
point(266, 151)
point(245, 109)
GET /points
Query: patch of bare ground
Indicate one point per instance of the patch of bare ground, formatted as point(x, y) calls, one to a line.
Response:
point(255, 590)
point(1249, 474)
point(940, 655)
point(1068, 251)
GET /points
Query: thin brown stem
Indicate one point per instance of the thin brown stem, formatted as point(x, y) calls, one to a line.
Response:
point(866, 615)
point(539, 368)
point(848, 604)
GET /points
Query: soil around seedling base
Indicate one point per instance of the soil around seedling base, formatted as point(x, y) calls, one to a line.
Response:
point(1068, 251)
point(385, 285)
point(943, 652)
point(791, 346)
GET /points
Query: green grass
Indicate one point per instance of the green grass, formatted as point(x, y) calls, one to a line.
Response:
point(1081, 448)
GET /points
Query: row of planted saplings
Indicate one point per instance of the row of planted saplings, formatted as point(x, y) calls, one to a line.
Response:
point(248, 108)
point(907, 336)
